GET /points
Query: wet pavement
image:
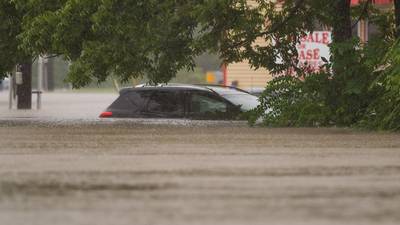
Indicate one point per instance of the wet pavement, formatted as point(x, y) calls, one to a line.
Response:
point(63, 165)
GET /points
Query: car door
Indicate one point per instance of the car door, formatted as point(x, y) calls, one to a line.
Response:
point(209, 106)
point(165, 104)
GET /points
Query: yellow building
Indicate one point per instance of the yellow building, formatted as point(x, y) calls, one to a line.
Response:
point(242, 75)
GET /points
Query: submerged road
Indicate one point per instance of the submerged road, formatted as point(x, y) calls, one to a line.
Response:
point(65, 167)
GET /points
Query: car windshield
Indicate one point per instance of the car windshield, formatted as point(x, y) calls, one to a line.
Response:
point(246, 101)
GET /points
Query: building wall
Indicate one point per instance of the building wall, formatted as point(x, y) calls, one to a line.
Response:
point(245, 76)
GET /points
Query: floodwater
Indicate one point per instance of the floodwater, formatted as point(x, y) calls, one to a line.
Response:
point(62, 165)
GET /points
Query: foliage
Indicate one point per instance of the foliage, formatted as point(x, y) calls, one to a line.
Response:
point(10, 27)
point(238, 31)
point(129, 39)
point(339, 95)
point(360, 96)
point(291, 101)
point(346, 92)
point(384, 111)
point(320, 98)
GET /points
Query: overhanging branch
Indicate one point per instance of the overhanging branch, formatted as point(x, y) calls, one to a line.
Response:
point(277, 26)
point(365, 10)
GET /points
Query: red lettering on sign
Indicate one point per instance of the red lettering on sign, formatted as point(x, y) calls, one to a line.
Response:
point(316, 38)
point(325, 38)
point(309, 54)
point(316, 53)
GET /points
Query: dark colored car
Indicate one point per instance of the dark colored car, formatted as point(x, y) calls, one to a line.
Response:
point(181, 101)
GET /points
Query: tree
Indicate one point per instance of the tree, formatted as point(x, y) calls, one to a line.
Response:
point(340, 94)
point(11, 26)
point(233, 27)
point(236, 26)
point(127, 39)
point(131, 39)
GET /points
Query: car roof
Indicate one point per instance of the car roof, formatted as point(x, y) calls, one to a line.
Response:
point(219, 89)
point(225, 90)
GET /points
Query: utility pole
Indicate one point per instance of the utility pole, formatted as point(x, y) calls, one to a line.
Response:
point(11, 91)
point(24, 85)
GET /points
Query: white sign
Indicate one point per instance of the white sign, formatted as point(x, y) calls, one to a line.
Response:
point(312, 48)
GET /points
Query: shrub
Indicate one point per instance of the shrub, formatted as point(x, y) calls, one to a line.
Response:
point(384, 111)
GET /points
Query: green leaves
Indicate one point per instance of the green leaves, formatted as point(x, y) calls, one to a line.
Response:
point(136, 39)
point(352, 91)
point(240, 32)
point(290, 101)
point(125, 38)
point(384, 111)
point(10, 27)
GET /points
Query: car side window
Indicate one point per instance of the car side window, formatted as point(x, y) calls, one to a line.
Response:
point(137, 100)
point(122, 103)
point(165, 104)
point(207, 106)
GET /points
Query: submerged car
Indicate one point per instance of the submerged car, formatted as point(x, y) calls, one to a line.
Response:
point(181, 101)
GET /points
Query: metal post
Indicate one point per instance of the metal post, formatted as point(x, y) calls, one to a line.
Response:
point(40, 74)
point(45, 74)
point(39, 100)
point(11, 91)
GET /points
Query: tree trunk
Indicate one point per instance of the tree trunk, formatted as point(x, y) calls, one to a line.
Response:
point(341, 29)
point(342, 60)
point(24, 90)
point(397, 16)
point(341, 33)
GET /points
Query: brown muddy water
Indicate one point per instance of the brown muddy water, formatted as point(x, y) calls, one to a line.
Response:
point(87, 171)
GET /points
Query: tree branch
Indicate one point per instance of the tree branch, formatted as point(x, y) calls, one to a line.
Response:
point(52, 56)
point(291, 14)
point(275, 27)
point(365, 10)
